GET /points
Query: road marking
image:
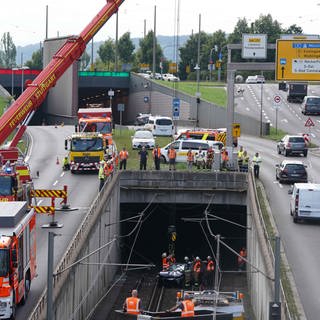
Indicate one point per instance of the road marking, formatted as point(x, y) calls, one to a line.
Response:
point(284, 120)
point(55, 182)
point(248, 109)
point(62, 174)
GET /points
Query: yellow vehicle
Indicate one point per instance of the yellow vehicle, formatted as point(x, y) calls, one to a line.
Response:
point(86, 150)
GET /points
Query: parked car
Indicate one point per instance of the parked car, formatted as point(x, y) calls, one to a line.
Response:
point(160, 126)
point(255, 79)
point(305, 201)
point(170, 77)
point(142, 119)
point(292, 144)
point(311, 105)
point(291, 171)
point(143, 138)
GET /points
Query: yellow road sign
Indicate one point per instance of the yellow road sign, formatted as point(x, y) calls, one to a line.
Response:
point(236, 130)
point(298, 60)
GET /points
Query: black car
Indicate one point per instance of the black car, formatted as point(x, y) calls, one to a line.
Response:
point(174, 275)
point(292, 144)
point(291, 171)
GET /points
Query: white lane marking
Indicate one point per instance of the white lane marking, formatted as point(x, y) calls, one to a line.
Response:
point(55, 182)
point(279, 184)
point(284, 120)
point(248, 109)
point(62, 174)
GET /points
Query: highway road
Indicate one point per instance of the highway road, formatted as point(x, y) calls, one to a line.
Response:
point(47, 143)
point(300, 241)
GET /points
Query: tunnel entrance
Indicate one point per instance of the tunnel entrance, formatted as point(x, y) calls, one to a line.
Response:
point(144, 230)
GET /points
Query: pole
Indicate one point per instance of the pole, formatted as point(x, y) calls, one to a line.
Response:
point(50, 276)
point(230, 106)
point(21, 72)
point(12, 81)
point(116, 45)
point(277, 119)
point(154, 43)
point(46, 22)
point(198, 72)
point(277, 270)
point(261, 103)
point(216, 274)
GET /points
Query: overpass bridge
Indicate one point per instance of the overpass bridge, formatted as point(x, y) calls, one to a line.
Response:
point(91, 263)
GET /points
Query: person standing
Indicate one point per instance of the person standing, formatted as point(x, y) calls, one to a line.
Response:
point(132, 305)
point(224, 159)
point(197, 272)
point(172, 158)
point(240, 158)
point(241, 257)
point(208, 274)
point(190, 159)
point(123, 156)
point(245, 161)
point(101, 174)
point(143, 153)
point(186, 306)
point(165, 262)
point(210, 158)
point(256, 164)
point(156, 153)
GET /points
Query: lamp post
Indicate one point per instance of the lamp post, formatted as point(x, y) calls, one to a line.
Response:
point(12, 80)
point(22, 77)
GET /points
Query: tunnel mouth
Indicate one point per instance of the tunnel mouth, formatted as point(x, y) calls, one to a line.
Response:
point(147, 231)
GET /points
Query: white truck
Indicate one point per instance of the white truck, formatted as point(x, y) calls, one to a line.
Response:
point(305, 201)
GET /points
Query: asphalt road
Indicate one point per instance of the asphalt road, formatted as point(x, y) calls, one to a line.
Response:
point(48, 144)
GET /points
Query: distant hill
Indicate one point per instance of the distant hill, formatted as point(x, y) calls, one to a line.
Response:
point(166, 42)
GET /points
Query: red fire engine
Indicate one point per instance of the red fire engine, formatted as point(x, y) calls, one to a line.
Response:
point(17, 255)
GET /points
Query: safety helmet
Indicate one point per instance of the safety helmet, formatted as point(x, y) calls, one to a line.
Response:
point(102, 162)
point(186, 258)
point(164, 255)
point(209, 258)
point(197, 258)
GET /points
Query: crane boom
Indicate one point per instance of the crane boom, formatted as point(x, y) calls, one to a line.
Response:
point(36, 92)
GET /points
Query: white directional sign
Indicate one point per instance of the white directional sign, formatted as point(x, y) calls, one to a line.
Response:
point(254, 46)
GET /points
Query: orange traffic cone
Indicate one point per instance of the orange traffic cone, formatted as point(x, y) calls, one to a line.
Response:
point(57, 160)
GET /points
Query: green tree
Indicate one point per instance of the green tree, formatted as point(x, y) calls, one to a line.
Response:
point(84, 60)
point(145, 52)
point(126, 48)
point(8, 52)
point(106, 52)
point(36, 60)
point(293, 29)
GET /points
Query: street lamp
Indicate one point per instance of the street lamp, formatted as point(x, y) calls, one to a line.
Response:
point(12, 80)
point(22, 74)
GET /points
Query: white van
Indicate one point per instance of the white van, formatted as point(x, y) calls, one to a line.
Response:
point(182, 147)
point(305, 201)
point(160, 126)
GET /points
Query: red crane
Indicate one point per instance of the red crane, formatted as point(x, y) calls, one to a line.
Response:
point(21, 111)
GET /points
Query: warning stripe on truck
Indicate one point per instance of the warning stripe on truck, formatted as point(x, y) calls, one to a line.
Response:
point(44, 209)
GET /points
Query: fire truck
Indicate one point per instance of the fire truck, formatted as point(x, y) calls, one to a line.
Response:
point(21, 111)
point(96, 120)
point(86, 150)
point(17, 255)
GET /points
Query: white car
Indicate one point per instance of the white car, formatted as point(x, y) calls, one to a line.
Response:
point(143, 138)
point(170, 77)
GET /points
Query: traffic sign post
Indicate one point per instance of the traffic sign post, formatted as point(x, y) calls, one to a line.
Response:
point(298, 60)
point(277, 102)
point(309, 123)
point(175, 108)
point(254, 46)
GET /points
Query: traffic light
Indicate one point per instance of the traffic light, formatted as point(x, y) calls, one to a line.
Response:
point(198, 100)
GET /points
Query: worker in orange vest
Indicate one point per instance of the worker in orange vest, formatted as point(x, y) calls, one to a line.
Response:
point(132, 305)
point(241, 261)
point(156, 153)
point(210, 158)
point(224, 159)
point(165, 262)
point(186, 306)
point(108, 168)
point(190, 159)
point(197, 271)
point(208, 273)
point(172, 158)
point(123, 156)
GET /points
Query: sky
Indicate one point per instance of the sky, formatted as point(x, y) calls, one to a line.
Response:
point(26, 20)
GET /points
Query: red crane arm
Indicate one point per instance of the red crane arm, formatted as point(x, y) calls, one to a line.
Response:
point(36, 92)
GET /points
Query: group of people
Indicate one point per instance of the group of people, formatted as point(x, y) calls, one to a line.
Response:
point(105, 170)
point(244, 162)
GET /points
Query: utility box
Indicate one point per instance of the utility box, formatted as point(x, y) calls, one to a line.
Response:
point(274, 311)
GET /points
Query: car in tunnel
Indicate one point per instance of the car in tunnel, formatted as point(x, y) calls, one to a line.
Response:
point(173, 276)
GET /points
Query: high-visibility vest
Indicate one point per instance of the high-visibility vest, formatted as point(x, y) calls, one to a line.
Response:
point(210, 265)
point(246, 159)
point(165, 263)
point(172, 154)
point(101, 173)
point(188, 308)
point(156, 152)
point(197, 266)
point(225, 156)
point(123, 155)
point(210, 154)
point(190, 156)
point(256, 160)
point(132, 305)
point(240, 154)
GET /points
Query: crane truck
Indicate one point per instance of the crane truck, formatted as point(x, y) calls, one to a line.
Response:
point(17, 255)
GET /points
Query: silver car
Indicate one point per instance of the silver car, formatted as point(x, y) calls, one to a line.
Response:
point(291, 144)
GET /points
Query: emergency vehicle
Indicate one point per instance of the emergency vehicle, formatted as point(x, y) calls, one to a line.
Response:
point(86, 150)
point(96, 120)
point(17, 255)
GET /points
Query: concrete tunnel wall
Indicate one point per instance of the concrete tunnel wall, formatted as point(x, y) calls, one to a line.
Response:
point(75, 299)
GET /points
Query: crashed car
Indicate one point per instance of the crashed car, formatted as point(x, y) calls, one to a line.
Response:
point(174, 275)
